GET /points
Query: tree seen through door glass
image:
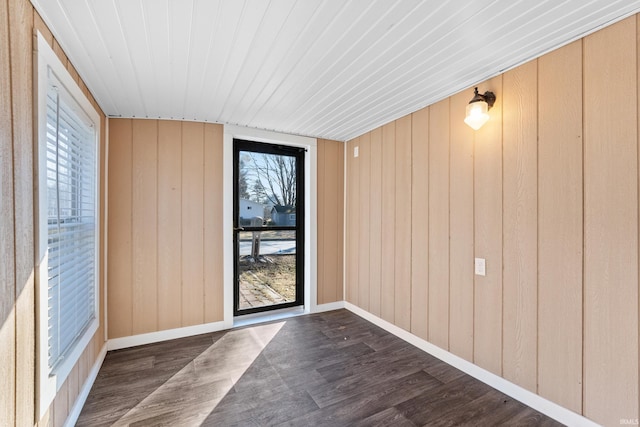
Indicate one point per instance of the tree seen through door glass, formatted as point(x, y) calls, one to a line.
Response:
point(267, 190)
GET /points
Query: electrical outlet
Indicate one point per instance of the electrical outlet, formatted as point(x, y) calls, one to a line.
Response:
point(480, 267)
point(355, 151)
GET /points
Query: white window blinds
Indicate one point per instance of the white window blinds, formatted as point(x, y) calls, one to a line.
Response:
point(71, 176)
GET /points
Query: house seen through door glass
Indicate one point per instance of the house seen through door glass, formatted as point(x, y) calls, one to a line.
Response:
point(268, 226)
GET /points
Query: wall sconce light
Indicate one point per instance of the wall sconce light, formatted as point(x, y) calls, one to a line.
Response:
point(478, 109)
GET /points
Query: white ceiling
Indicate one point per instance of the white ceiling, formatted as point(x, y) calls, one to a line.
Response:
point(332, 69)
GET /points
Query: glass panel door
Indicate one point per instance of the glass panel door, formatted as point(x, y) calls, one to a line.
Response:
point(268, 226)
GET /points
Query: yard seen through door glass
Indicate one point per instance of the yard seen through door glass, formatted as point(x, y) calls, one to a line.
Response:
point(267, 227)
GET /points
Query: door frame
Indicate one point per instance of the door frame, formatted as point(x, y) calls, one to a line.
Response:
point(299, 154)
point(310, 220)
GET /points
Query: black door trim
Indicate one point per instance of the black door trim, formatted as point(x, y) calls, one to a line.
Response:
point(299, 153)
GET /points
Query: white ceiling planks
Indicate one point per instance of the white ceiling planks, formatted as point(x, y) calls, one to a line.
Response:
point(255, 38)
point(323, 68)
point(308, 60)
point(160, 45)
point(278, 56)
point(336, 73)
point(400, 61)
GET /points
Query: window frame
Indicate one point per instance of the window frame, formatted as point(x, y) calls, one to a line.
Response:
point(50, 380)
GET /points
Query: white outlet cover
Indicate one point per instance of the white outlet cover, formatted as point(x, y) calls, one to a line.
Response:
point(355, 151)
point(480, 267)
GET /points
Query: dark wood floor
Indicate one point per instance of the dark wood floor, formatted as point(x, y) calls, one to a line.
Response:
point(327, 369)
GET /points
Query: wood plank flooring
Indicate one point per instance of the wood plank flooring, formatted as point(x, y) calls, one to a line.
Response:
point(326, 369)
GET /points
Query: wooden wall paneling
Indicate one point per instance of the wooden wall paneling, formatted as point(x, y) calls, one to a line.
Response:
point(73, 383)
point(91, 355)
point(93, 352)
point(84, 363)
point(57, 49)
point(560, 226)
point(438, 244)
point(348, 244)
point(353, 204)
point(340, 213)
point(47, 418)
point(120, 301)
point(192, 223)
point(213, 265)
point(7, 249)
point(364, 161)
point(20, 19)
point(322, 219)
point(460, 229)
point(61, 406)
point(39, 25)
point(85, 90)
point(611, 224)
point(145, 226)
point(18, 23)
point(520, 224)
point(387, 266)
point(420, 223)
point(330, 195)
point(487, 209)
point(638, 149)
point(403, 235)
point(74, 74)
point(169, 224)
point(375, 221)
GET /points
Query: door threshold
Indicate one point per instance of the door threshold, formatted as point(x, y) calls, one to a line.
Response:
point(252, 319)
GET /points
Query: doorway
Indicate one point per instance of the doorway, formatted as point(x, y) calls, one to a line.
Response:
point(268, 226)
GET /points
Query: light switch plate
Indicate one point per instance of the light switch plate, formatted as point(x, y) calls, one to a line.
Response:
point(355, 151)
point(480, 267)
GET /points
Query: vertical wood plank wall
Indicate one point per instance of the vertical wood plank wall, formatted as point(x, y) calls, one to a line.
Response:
point(437, 219)
point(362, 222)
point(547, 193)
point(18, 25)
point(375, 223)
point(7, 242)
point(352, 227)
point(403, 167)
point(560, 226)
point(461, 231)
point(165, 225)
point(144, 226)
point(520, 224)
point(165, 189)
point(330, 221)
point(212, 231)
point(487, 210)
point(420, 226)
point(611, 224)
point(169, 214)
point(388, 186)
point(21, 59)
point(193, 238)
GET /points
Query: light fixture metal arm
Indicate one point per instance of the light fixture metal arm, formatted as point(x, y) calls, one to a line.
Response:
point(488, 97)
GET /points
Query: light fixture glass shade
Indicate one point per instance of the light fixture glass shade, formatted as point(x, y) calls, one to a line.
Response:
point(477, 114)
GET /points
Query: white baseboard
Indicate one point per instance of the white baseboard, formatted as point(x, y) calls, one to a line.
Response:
point(72, 418)
point(267, 316)
point(547, 407)
point(330, 306)
point(169, 334)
